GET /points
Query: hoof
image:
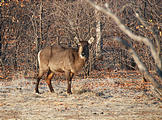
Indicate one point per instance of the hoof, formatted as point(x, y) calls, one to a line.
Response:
point(52, 91)
point(69, 92)
point(38, 92)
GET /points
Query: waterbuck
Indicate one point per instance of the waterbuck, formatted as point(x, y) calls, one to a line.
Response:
point(56, 58)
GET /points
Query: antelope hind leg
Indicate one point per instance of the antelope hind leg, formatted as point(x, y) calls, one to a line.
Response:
point(38, 80)
point(48, 80)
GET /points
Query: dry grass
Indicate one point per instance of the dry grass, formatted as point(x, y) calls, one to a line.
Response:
point(92, 99)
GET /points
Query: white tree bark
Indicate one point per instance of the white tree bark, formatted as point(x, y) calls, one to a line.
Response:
point(98, 35)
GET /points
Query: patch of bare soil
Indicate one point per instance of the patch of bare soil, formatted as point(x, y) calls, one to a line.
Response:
point(92, 99)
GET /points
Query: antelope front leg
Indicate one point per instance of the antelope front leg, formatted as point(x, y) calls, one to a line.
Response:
point(69, 77)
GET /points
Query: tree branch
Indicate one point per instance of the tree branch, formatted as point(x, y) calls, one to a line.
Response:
point(150, 29)
point(140, 65)
point(146, 41)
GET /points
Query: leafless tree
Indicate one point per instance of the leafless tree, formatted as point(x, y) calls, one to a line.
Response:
point(27, 26)
point(141, 66)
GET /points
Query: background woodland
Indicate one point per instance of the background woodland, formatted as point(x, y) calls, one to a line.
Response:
point(26, 26)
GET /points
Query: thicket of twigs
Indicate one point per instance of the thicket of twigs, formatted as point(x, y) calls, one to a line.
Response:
point(28, 26)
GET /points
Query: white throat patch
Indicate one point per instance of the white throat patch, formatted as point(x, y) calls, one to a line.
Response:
point(82, 57)
point(80, 53)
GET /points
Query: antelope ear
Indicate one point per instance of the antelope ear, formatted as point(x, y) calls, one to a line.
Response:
point(90, 41)
point(77, 40)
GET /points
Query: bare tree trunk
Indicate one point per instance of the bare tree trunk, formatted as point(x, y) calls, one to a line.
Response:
point(38, 38)
point(98, 36)
point(1, 61)
point(40, 25)
point(0, 33)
